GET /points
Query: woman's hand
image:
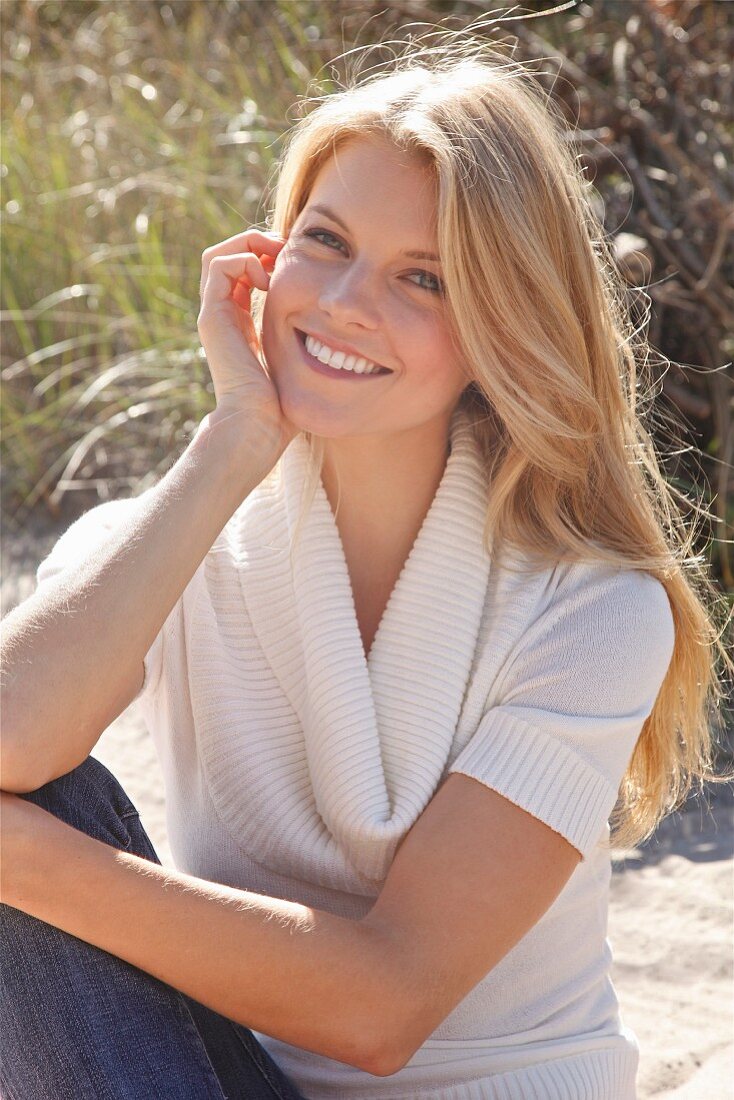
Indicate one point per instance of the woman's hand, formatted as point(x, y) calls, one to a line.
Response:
point(229, 271)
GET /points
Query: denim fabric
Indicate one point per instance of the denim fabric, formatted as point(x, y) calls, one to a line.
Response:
point(77, 1023)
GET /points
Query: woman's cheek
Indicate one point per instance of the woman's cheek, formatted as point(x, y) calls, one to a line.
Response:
point(284, 300)
point(280, 299)
point(269, 325)
point(292, 272)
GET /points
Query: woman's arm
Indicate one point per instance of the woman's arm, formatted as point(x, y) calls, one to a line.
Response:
point(72, 653)
point(300, 974)
point(368, 993)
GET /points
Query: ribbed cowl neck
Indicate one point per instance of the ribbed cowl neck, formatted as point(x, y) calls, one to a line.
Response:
point(376, 731)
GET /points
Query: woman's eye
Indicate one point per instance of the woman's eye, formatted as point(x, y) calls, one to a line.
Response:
point(316, 233)
point(437, 288)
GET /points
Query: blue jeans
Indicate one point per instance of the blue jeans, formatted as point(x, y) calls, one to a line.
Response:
point(77, 1023)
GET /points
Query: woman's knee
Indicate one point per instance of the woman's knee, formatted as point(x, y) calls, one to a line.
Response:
point(91, 799)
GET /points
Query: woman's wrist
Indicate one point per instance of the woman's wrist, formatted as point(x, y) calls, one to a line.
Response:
point(245, 441)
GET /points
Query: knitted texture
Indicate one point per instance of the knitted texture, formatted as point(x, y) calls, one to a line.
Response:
point(294, 766)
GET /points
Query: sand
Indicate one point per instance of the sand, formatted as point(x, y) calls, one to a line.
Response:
point(671, 916)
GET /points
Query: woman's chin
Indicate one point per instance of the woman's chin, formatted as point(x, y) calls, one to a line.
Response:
point(314, 421)
point(306, 408)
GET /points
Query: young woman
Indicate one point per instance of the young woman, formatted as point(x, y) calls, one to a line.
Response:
point(412, 620)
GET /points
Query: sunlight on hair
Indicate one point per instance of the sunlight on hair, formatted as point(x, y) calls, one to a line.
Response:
point(560, 395)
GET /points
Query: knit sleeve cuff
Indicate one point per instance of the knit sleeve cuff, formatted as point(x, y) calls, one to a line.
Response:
point(541, 775)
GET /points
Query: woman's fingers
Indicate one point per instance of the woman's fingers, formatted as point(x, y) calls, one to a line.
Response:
point(252, 240)
point(230, 271)
point(243, 271)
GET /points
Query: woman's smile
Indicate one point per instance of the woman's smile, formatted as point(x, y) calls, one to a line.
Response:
point(334, 372)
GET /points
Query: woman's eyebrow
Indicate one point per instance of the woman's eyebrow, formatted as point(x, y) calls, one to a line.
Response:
point(318, 208)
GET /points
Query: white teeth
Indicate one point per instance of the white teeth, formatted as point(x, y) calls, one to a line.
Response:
point(338, 359)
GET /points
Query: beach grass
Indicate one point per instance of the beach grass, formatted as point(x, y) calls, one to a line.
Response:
point(138, 133)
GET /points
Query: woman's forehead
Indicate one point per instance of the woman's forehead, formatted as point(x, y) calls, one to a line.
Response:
point(369, 180)
point(377, 152)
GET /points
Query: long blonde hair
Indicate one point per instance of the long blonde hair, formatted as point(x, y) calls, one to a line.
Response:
point(540, 315)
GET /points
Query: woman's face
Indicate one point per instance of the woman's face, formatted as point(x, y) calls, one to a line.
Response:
point(346, 276)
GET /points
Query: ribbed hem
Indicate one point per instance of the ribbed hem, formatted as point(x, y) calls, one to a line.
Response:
point(540, 774)
point(600, 1075)
point(594, 1075)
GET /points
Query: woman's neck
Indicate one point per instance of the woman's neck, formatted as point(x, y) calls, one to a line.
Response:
point(381, 492)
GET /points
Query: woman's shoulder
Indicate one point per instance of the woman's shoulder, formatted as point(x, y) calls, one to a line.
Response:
point(615, 586)
point(565, 574)
point(585, 598)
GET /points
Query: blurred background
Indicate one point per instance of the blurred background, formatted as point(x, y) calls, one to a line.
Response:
point(136, 133)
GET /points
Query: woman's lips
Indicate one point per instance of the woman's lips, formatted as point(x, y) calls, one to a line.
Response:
point(333, 372)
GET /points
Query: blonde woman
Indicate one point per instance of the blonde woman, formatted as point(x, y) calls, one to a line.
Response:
point(413, 621)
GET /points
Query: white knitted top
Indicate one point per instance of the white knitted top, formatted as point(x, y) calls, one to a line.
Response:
point(293, 766)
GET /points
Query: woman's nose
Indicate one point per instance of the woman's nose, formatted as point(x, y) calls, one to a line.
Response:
point(351, 295)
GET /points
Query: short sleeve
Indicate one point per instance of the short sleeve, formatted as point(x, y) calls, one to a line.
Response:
point(573, 701)
point(80, 541)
